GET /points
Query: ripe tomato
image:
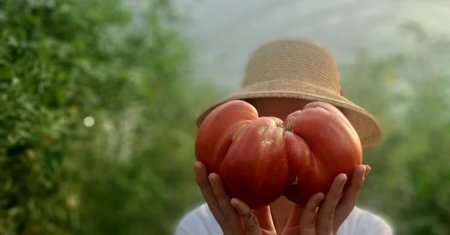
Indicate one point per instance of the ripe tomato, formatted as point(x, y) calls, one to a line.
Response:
point(324, 144)
point(260, 159)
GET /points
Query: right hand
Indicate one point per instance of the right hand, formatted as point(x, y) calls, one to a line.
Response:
point(233, 215)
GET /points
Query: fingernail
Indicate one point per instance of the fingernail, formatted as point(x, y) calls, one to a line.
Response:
point(211, 178)
point(197, 165)
point(319, 198)
point(343, 177)
point(368, 169)
point(233, 202)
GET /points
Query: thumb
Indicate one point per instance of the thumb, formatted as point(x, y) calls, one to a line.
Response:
point(293, 223)
point(265, 218)
point(303, 218)
point(248, 217)
point(294, 217)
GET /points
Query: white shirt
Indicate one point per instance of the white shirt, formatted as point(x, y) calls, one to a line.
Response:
point(200, 221)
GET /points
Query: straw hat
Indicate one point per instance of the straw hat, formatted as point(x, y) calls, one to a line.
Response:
point(305, 71)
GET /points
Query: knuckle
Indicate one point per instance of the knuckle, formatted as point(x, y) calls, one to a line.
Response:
point(311, 223)
point(334, 195)
point(329, 215)
point(202, 183)
point(251, 221)
point(358, 186)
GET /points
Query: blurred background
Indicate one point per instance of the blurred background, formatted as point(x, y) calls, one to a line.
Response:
point(99, 98)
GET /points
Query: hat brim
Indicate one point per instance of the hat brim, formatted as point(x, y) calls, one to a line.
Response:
point(365, 124)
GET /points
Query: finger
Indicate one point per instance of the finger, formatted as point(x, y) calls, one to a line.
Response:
point(325, 216)
point(351, 194)
point(265, 220)
point(296, 214)
point(207, 191)
point(308, 215)
point(229, 213)
point(248, 217)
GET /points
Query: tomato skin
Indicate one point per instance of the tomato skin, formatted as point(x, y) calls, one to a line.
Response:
point(334, 148)
point(215, 132)
point(260, 158)
point(255, 168)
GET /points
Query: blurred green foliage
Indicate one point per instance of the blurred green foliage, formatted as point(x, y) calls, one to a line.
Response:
point(409, 93)
point(97, 122)
point(121, 69)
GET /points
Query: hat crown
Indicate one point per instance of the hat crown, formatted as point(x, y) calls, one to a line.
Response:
point(293, 60)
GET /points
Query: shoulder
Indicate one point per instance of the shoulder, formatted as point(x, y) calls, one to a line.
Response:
point(199, 221)
point(364, 222)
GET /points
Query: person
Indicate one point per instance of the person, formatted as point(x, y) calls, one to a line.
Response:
point(281, 77)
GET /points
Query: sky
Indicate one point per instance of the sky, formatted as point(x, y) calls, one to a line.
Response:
point(225, 33)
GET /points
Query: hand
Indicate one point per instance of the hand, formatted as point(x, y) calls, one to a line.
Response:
point(317, 218)
point(233, 216)
point(323, 215)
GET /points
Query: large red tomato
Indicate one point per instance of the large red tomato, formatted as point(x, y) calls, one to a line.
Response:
point(249, 153)
point(324, 144)
point(259, 159)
